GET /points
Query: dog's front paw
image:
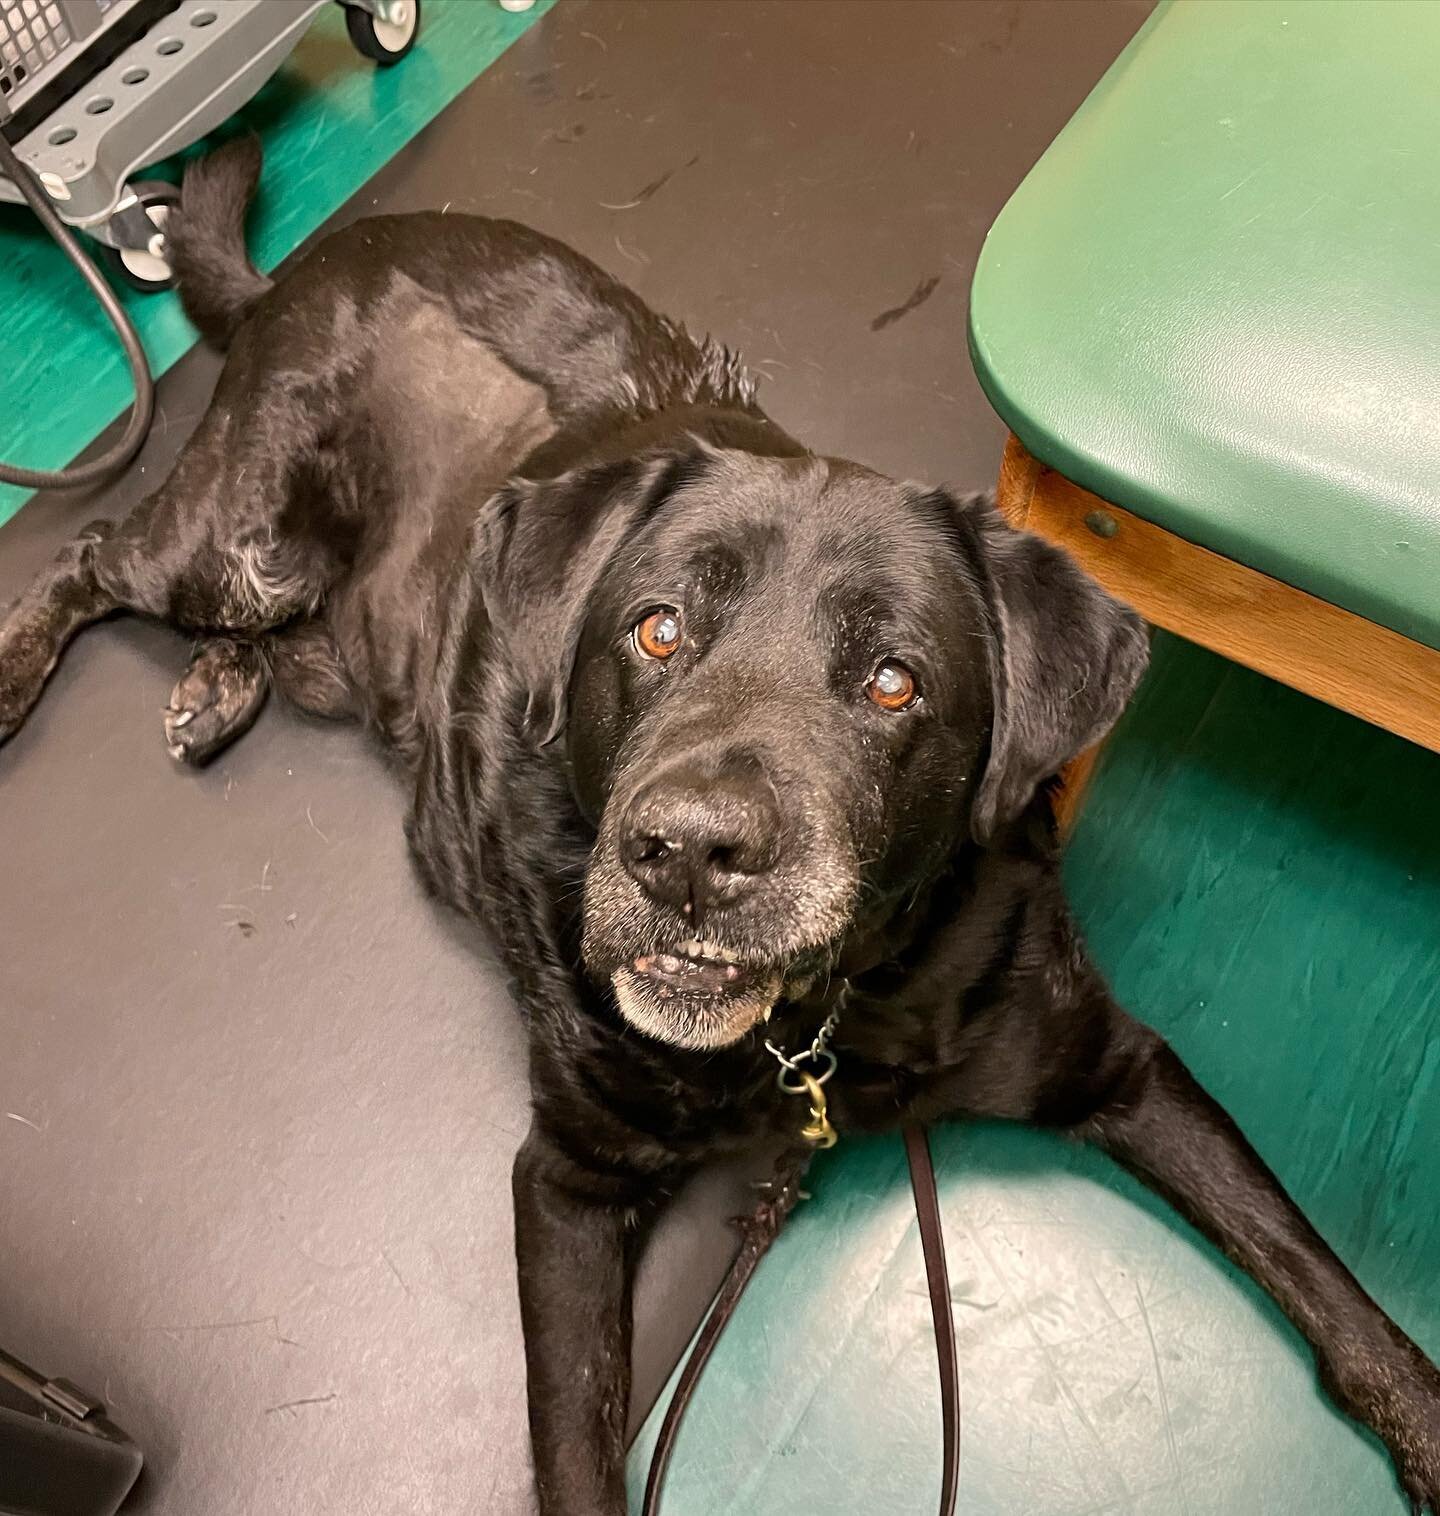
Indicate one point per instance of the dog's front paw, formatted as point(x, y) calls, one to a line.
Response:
point(1415, 1441)
point(1419, 1474)
point(218, 698)
point(1398, 1397)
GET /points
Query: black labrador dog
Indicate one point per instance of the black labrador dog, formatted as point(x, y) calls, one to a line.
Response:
point(714, 734)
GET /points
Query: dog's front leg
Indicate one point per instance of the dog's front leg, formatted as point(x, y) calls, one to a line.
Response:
point(575, 1252)
point(1163, 1127)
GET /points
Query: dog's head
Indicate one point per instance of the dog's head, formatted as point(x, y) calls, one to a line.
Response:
point(787, 691)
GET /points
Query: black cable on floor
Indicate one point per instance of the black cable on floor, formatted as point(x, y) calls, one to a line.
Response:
point(113, 459)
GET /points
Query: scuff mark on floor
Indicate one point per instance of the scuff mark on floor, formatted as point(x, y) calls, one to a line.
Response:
point(648, 191)
point(918, 296)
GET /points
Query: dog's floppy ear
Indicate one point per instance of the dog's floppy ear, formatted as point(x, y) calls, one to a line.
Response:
point(539, 548)
point(1064, 659)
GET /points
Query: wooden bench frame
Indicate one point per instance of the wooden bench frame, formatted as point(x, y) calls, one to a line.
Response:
point(1246, 616)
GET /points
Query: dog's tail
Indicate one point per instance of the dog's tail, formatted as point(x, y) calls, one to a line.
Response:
point(219, 286)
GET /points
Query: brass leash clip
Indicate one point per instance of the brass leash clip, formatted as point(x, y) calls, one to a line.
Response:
point(795, 1080)
point(818, 1130)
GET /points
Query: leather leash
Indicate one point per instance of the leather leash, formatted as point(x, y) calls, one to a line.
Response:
point(932, 1244)
point(759, 1230)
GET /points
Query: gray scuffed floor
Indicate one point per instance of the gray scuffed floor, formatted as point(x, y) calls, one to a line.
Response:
point(258, 1097)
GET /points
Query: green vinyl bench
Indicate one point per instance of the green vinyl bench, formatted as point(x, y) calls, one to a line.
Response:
point(1210, 317)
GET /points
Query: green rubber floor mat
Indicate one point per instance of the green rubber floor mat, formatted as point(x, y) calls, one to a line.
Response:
point(1260, 876)
point(329, 120)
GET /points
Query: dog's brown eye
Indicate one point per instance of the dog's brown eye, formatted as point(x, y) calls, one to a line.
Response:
point(659, 633)
point(892, 686)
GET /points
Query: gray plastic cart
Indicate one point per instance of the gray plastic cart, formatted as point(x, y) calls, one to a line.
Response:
point(93, 90)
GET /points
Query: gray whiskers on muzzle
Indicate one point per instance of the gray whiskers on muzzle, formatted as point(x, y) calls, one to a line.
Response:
point(704, 983)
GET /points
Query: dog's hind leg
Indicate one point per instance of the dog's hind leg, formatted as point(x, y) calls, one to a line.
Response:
point(157, 563)
point(164, 561)
point(244, 538)
point(309, 671)
point(33, 632)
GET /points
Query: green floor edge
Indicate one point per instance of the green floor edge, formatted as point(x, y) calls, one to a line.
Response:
point(1260, 876)
point(329, 120)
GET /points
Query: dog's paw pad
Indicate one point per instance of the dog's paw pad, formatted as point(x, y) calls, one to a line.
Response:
point(192, 734)
point(219, 696)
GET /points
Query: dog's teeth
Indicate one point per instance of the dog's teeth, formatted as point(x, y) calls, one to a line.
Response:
point(768, 1010)
point(705, 948)
point(183, 719)
point(670, 963)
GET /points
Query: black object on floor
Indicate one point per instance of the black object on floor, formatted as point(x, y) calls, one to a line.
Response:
point(60, 1454)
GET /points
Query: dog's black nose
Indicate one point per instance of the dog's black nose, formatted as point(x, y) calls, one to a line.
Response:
point(702, 839)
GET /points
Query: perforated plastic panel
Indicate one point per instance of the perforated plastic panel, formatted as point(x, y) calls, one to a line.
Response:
point(34, 36)
point(49, 49)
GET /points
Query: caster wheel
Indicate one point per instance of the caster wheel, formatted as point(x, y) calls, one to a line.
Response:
point(385, 40)
point(148, 267)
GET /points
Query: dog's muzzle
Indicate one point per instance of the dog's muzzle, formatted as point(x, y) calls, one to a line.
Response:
point(709, 890)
